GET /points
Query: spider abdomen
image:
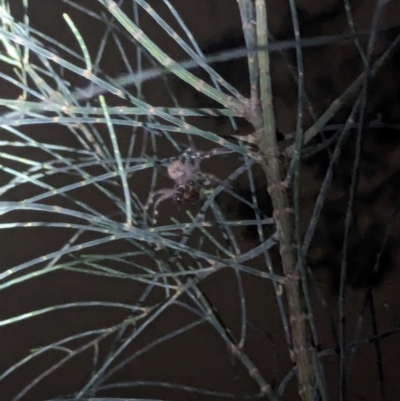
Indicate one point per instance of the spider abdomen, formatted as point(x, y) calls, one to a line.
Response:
point(187, 194)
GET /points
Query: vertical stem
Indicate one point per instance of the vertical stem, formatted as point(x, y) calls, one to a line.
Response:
point(262, 117)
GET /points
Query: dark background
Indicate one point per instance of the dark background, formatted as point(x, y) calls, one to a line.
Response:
point(199, 357)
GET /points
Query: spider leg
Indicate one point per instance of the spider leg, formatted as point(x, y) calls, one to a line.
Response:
point(207, 154)
point(165, 193)
point(151, 198)
point(208, 179)
point(215, 152)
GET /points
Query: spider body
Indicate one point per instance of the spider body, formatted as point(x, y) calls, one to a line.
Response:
point(179, 172)
point(188, 179)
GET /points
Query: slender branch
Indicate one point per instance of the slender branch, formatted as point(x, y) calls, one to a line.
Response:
point(261, 114)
